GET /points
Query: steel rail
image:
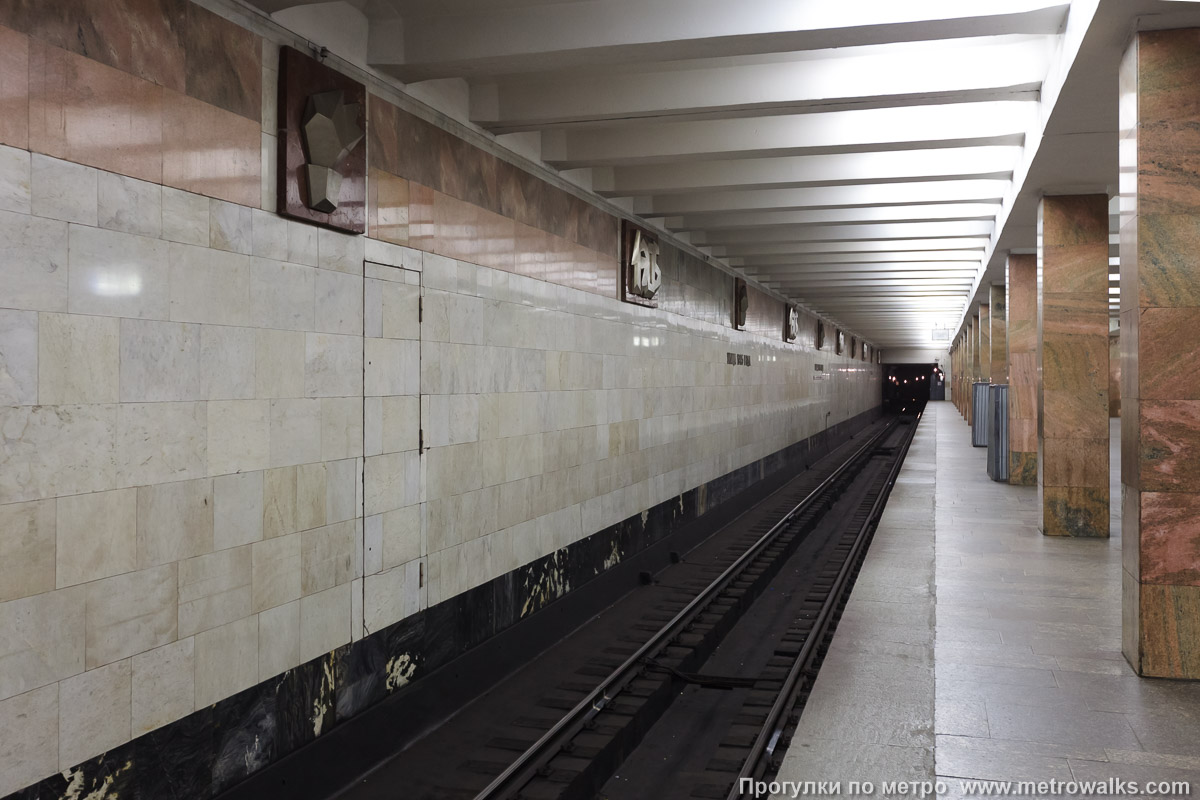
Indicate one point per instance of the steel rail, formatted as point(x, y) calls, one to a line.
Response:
point(776, 721)
point(527, 765)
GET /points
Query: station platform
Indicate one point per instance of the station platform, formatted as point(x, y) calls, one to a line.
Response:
point(974, 648)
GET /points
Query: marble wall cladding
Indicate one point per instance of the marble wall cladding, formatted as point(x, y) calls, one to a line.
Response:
point(984, 326)
point(1114, 374)
point(998, 334)
point(1023, 385)
point(181, 388)
point(1160, 366)
point(105, 108)
point(1072, 360)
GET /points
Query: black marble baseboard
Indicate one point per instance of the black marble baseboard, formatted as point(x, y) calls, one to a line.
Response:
point(286, 737)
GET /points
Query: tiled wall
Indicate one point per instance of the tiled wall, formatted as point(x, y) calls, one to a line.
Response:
point(211, 467)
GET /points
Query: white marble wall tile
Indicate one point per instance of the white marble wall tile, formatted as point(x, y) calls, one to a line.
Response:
point(400, 423)
point(97, 536)
point(209, 286)
point(117, 274)
point(401, 536)
point(311, 480)
point(184, 217)
point(78, 359)
point(160, 361)
point(279, 363)
point(214, 589)
point(238, 436)
point(270, 235)
point(226, 660)
point(230, 227)
point(164, 685)
point(278, 639)
point(94, 712)
point(393, 367)
point(237, 509)
point(325, 620)
point(402, 312)
point(64, 191)
point(41, 640)
point(333, 365)
point(341, 427)
point(27, 549)
point(391, 596)
point(373, 544)
point(373, 308)
point(282, 295)
point(28, 738)
point(33, 263)
point(130, 205)
point(340, 490)
point(341, 252)
point(302, 243)
point(131, 613)
point(14, 180)
point(327, 557)
point(391, 481)
point(18, 358)
point(227, 362)
point(158, 442)
point(295, 431)
point(339, 306)
point(56, 450)
point(174, 521)
point(279, 502)
point(275, 564)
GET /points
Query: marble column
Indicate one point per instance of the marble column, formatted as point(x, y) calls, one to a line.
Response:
point(1021, 311)
point(1160, 352)
point(985, 342)
point(1072, 356)
point(997, 335)
point(972, 366)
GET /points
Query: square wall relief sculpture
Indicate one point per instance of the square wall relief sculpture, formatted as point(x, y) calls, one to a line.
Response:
point(741, 303)
point(839, 342)
point(791, 323)
point(322, 144)
point(820, 335)
point(639, 265)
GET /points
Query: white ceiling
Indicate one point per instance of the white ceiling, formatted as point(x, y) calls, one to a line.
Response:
point(871, 159)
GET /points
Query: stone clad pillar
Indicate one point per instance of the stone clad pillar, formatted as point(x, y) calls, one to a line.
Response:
point(1021, 310)
point(1072, 355)
point(972, 366)
point(985, 342)
point(1160, 353)
point(997, 335)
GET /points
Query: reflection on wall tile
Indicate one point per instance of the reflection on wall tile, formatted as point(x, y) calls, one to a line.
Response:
point(117, 274)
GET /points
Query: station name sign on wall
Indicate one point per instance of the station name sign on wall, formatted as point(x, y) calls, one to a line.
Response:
point(322, 144)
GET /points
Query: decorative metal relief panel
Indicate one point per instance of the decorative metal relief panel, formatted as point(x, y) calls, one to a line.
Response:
point(791, 323)
point(741, 303)
point(820, 334)
point(854, 347)
point(639, 265)
point(322, 144)
point(839, 342)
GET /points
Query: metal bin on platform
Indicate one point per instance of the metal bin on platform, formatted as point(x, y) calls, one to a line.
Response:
point(980, 415)
point(997, 455)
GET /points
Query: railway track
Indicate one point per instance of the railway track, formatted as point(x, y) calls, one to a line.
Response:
point(655, 674)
